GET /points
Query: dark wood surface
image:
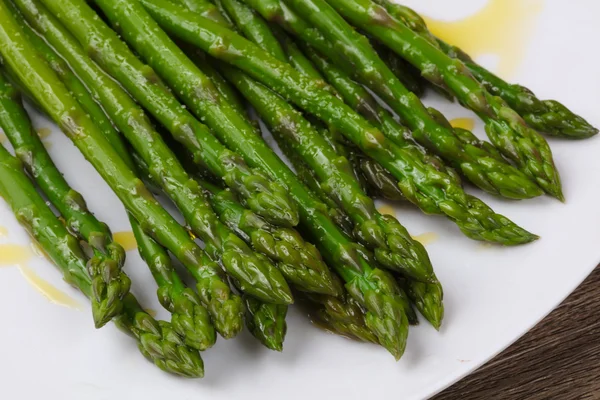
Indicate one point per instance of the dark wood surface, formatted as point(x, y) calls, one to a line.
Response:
point(559, 359)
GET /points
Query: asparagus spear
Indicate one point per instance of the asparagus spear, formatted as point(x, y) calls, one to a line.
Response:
point(266, 322)
point(475, 163)
point(375, 289)
point(433, 192)
point(156, 340)
point(299, 261)
point(339, 315)
point(253, 274)
point(188, 317)
point(56, 101)
point(427, 297)
point(375, 179)
point(393, 246)
point(263, 196)
point(547, 116)
point(505, 128)
point(363, 102)
point(109, 284)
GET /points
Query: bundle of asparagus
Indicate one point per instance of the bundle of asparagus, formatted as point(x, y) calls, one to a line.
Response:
point(174, 116)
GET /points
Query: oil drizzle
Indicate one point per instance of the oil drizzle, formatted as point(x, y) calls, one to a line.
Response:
point(426, 238)
point(13, 254)
point(43, 133)
point(2, 138)
point(387, 210)
point(151, 312)
point(502, 28)
point(53, 294)
point(3, 231)
point(125, 239)
point(464, 123)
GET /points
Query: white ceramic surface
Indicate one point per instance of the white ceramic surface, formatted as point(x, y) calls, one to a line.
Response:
point(493, 295)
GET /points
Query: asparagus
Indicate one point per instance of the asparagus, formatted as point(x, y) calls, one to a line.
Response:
point(427, 297)
point(56, 101)
point(188, 317)
point(338, 315)
point(156, 340)
point(547, 116)
point(299, 261)
point(109, 284)
point(255, 275)
point(375, 179)
point(393, 246)
point(426, 187)
point(406, 73)
point(266, 322)
point(374, 288)
point(505, 128)
point(475, 163)
point(363, 102)
point(263, 196)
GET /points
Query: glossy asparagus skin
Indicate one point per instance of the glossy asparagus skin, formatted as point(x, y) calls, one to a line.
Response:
point(505, 128)
point(374, 288)
point(428, 298)
point(263, 196)
point(390, 241)
point(266, 322)
point(77, 125)
point(255, 275)
point(546, 116)
point(109, 284)
point(188, 317)
point(433, 192)
point(156, 340)
point(299, 261)
point(393, 246)
point(480, 167)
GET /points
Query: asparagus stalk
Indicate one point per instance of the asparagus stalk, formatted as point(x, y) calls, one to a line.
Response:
point(299, 261)
point(266, 322)
point(505, 128)
point(547, 116)
point(425, 187)
point(188, 317)
point(56, 101)
point(475, 163)
point(263, 196)
point(374, 288)
point(393, 246)
point(109, 284)
point(375, 179)
point(156, 340)
point(428, 298)
point(253, 274)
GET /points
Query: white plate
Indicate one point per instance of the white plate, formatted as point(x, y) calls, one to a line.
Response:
point(493, 295)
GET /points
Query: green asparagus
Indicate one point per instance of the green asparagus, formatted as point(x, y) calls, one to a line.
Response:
point(547, 116)
point(263, 196)
point(156, 340)
point(56, 101)
point(266, 322)
point(426, 187)
point(188, 317)
point(299, 261)
point(505, 128)
point(393, 246)
point(428, 298)
point(475, 163)
point(373, 288)
point(109, 284)
point(255, 275)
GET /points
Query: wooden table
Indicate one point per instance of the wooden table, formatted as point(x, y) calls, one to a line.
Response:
point(559, 359)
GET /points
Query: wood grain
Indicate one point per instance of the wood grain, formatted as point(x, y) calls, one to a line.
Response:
point(558, 359)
